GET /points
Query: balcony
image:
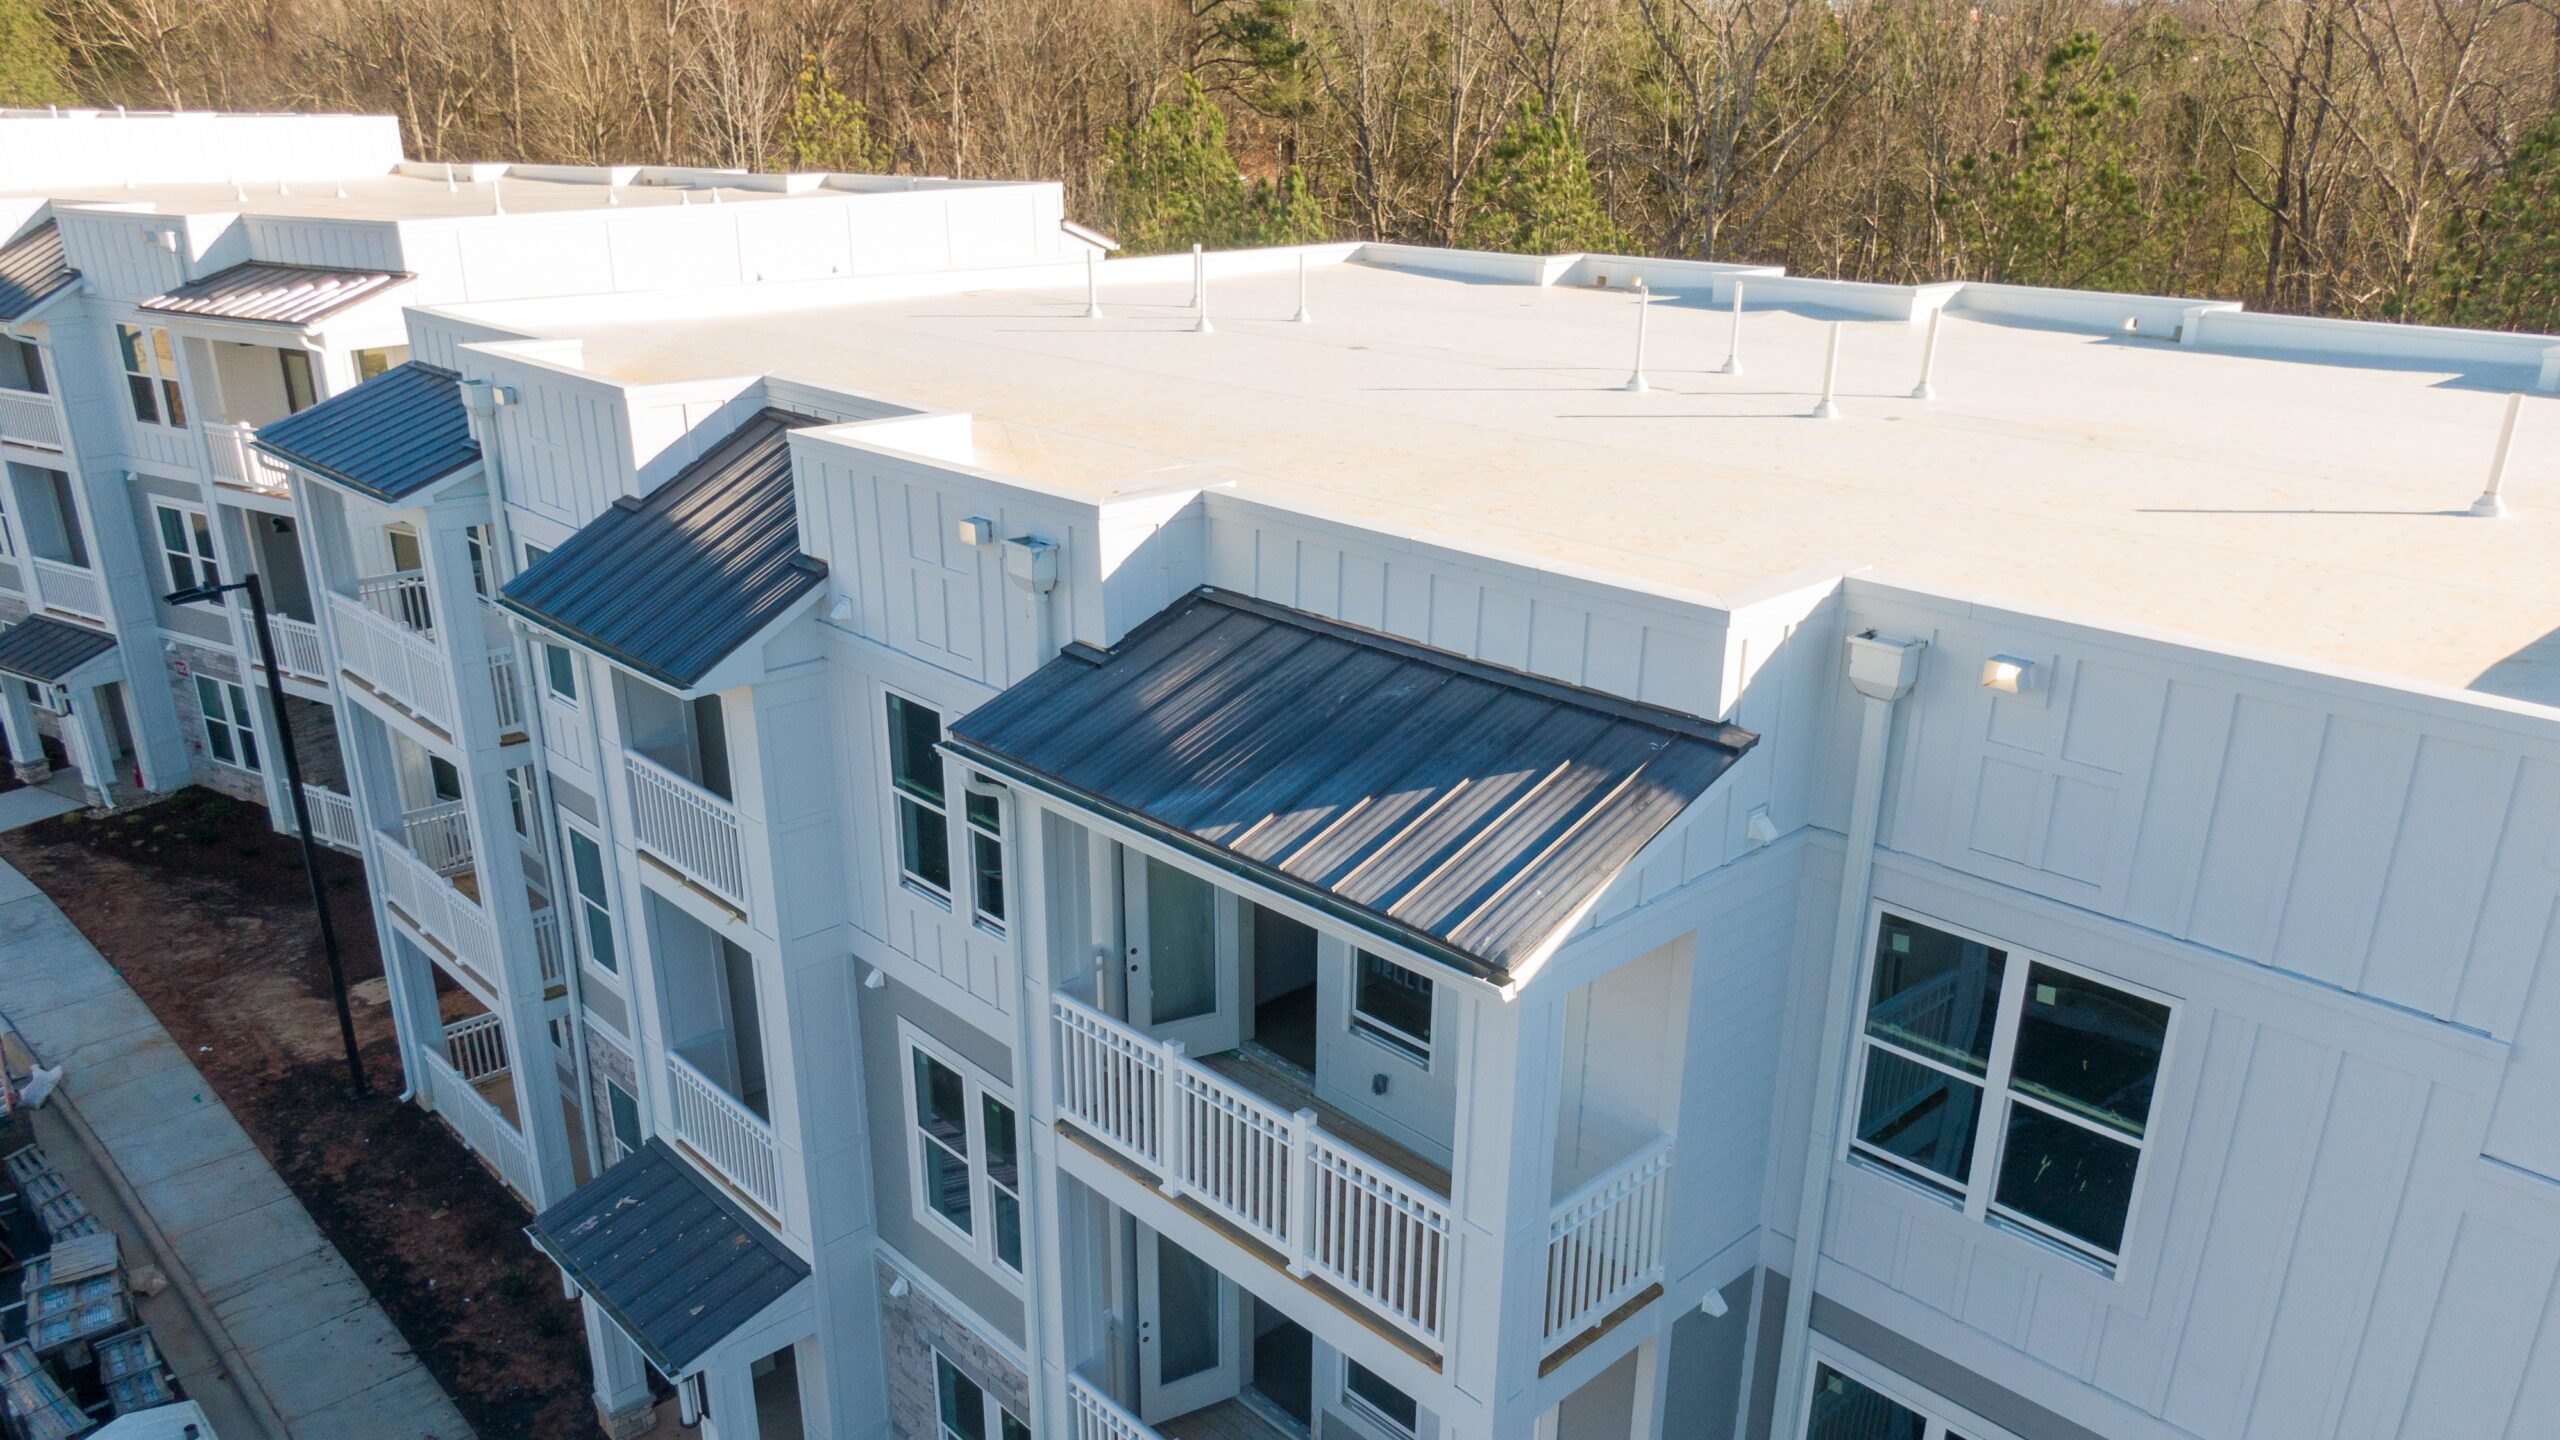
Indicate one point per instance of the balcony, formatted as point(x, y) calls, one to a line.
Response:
point(1326, 1207)
point(434, 906)
point(395, 660)
point(691, 830)
point(74, 589)
point(27, 417)
point(298, 648)
point(474, 1054)
point(1604, 1245)
point(723, 1133)
point(333, 818)
point(440, 835)
point(236, 463)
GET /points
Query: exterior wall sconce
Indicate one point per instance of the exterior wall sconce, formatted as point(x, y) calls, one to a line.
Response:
point(2011, 675)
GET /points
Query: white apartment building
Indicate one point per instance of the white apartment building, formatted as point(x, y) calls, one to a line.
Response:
point(1408, 845)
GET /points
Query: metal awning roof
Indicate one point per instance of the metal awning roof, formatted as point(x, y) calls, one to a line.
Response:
point(1462, 810)
point(32, 268)
point(388, 438)
point(277, 294)
point(670, 583)
point(677, 1264)
point(48, 650)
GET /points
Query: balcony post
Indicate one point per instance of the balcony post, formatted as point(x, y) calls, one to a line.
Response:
point(26, 743)
point(1302, 1193)
point(623, 1405)
point(1502, 1191)
point(1173, 1116)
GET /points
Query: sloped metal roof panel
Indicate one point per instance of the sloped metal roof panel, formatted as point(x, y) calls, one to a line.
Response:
point(1460, 809)
point(677, 1264)
point(277, 294)
point(672, 582)
point(46, 649)
point(388, 438)
point(32, 267)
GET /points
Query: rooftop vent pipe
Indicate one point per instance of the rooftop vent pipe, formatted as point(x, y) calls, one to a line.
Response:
point(1644, 302)
point(1304, 315)
point(1733, 346)
point(1200, 291)
point(2490, 504)
point(1929, 359)
point(1829, 409)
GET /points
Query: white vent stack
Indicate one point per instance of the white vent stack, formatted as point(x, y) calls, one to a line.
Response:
point(1200, 292)
point(497, 202)
point(1829, 409)
point(2491, 504)
point(1644, 302)
point(1929, 359)
point(1304, 315)
point(450, 188)
point(1092, 283)
point(1733, 343)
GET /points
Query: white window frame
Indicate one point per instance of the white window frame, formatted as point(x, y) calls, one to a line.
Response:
point(1974, 1195)
point(1945, 1420)
point(197, 526)
point(912, 882)
point(159, 368)
point(240, 729)
point(1370, 1415)
point(616, 1150)
point(973, 833)
point(991, 1423)
point(1386, 1034)
point(978, 1242)
point(576, 901)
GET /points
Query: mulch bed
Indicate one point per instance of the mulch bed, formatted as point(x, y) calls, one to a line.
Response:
point(205, 910)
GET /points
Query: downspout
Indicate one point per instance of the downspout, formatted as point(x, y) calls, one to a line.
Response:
point(1883, 671)
point(481, 398)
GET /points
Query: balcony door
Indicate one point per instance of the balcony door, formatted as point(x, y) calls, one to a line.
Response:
point(1190, 1332)
point(1182, 953)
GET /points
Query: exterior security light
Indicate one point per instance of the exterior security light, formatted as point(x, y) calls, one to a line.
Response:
point(2010, 675)
point(977, 530)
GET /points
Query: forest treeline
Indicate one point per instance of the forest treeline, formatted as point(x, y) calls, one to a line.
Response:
point(2371, 158)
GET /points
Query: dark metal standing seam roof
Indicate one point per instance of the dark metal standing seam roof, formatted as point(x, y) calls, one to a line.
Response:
point(1460, 809)
point(669, 583)
point(32, 268)
point(42, 648)
point(389, 438)
point(278, 294)
point(676, 1263)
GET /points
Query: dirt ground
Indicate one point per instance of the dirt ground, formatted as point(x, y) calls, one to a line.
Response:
point(206, 912)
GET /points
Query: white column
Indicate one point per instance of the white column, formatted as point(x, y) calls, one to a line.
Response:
point(730, 1390)
point(26, 743)
point(622, 1378)
point(96, 757)
point(1653, 1384)
point(1502, 1188)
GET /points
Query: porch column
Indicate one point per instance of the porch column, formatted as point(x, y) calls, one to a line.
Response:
point(26, 743)
point(730, 1393)
point(1653, 1384)
point(96, 754)
point(623, 1407)
point(1502, 1191)
point(413, 1010)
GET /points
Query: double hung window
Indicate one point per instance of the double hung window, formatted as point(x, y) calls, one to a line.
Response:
point(151, 375)
point(915, 783)
point(228, 736)
point(964, 1146)
point(966, 1411)
point(186, 546)
point(595, 907)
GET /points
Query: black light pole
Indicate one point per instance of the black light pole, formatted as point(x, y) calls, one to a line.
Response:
point(301, 805)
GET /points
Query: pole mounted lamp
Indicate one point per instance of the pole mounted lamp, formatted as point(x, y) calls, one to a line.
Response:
point(213, 592)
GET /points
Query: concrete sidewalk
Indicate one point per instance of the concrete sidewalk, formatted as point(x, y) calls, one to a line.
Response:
point(308, 1347)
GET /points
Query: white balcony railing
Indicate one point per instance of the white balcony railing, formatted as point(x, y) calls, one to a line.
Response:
point(1328, 1209)
point(400, 595)
point(395, 660)
point(477, 1047)
point(1096, 1416)
point(333, 817)
point(28, 418)
point(688, 827)
point(480, 1125)
point(727, 1135)
point(236, 462)
point(546, 948)
point(1604, 1242)
point(298, 648)
point(63, 586)
point(440, 835)
point(441, 912)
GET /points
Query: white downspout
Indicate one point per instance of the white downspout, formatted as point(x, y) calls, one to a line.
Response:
point(482, 399)
point(1883, 671)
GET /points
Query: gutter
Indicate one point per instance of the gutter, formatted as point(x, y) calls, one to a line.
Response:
point(1883, 671)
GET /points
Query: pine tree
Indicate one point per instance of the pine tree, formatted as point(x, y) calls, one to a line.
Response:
point(32, 63)
point(2067, 206)
point(1534, 194)
point(825, 129)
point(1169, 182)
point(2502, 262)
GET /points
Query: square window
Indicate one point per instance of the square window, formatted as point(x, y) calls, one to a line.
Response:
point(962, 1403)
point(1392, 1004)
point(1381, 1400)
point(2016, 1087)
